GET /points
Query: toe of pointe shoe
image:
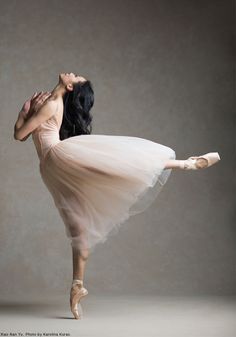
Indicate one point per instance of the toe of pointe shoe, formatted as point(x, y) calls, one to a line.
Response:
point(196, 162)
point(75, 310)
point(77, 292)
point(211, 158)
point(76, 314)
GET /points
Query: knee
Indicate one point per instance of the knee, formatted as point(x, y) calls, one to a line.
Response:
point(84, 254)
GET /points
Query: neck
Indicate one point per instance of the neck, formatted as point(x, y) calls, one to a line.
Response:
point(59, 91)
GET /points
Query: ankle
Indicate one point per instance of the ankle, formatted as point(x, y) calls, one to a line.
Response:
point(181, 164)
point(77, 281)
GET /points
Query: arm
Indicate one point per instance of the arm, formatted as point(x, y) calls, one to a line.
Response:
point(28, 109)
point(24, 112)
point(26, 137)
point(22, 117)
point(40, 116)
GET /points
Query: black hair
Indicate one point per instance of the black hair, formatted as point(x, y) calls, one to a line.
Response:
point(76, 115)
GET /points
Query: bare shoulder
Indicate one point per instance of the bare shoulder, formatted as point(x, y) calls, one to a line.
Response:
point(49, 108)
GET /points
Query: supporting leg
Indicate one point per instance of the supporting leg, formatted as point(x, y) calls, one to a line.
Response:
point(80, 258)
point(77, 289)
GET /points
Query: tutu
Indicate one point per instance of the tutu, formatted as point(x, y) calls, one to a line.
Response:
point(98, 181)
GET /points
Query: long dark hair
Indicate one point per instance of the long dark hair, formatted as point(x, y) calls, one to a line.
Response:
point(76, 115)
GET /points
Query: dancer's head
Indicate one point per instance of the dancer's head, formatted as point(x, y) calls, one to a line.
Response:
point(69, 79)
point(78, 101)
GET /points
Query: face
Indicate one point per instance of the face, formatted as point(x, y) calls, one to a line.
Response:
point(68, 79)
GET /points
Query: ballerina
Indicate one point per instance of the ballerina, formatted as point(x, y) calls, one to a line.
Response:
point(96, 181)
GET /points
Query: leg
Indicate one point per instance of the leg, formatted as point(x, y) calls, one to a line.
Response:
point(193, 162)
point(174, 164)
point(77, 289)
point(80, 258)
point(78, 239)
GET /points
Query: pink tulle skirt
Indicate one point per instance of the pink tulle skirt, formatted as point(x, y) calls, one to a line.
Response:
point(98, 181)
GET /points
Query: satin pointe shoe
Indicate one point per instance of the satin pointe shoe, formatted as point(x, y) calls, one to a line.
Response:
point(76, 293)
point(200, 162)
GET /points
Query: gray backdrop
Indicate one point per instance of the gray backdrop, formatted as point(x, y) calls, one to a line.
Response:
point(162, 70)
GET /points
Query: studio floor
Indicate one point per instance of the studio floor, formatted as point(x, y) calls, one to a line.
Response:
point(121, 316)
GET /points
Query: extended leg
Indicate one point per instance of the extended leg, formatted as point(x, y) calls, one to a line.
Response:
point(194, 162)
point(174, 164)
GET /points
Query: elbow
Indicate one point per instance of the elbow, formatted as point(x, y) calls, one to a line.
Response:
point(16, 136)
point(23, 139)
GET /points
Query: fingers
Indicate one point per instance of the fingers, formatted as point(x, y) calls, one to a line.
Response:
point(41, 96)
point(39, 100)
point(34, 95)
point(45, 96)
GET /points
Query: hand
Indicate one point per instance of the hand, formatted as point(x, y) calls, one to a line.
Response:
point(36, 102)
point(26, 106)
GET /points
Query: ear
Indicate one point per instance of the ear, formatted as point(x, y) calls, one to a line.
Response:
point(69, 87)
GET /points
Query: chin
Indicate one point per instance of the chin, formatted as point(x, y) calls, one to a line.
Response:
point(61, 76)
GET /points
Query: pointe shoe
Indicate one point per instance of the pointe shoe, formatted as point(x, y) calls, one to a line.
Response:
point(76, 293)
point(200, 162)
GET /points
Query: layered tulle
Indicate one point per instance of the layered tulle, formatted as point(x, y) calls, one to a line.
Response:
point(98, 181)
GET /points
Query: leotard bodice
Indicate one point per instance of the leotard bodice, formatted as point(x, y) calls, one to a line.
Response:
point(46, 135)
